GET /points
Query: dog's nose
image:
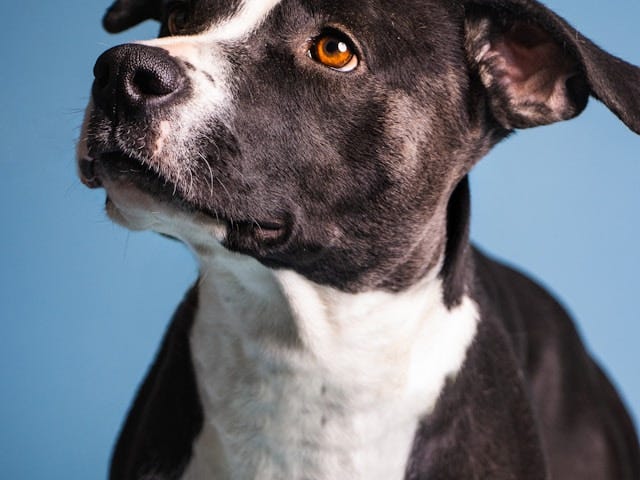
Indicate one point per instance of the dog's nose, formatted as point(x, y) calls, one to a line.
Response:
point(131, 78)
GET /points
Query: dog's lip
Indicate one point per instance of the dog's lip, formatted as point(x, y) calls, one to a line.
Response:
point(88, 175)
point(271, 231)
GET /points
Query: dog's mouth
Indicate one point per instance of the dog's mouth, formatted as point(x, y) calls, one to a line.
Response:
point(88, 174)
point(114, 168)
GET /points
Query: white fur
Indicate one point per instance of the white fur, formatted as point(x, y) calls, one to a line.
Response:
point(301, 381)
point(138, 210)
point(248, 18)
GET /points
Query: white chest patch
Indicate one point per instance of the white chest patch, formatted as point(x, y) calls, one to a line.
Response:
point(300, 381)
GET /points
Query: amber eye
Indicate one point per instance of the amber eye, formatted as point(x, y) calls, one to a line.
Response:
point(177, 18)
point(334, 51)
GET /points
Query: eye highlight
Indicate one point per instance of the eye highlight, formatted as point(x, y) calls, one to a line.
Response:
point(334, 50)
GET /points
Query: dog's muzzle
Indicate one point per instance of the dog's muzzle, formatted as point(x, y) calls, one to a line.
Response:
point(131, 79)
point(133, 85)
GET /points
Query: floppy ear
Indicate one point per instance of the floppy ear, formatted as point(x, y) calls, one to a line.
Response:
point(537, 69)
point(125, 14)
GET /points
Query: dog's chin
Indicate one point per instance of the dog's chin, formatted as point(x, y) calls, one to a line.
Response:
point(140, 199)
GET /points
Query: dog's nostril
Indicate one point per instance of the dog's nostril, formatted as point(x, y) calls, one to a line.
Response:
point(150, 83)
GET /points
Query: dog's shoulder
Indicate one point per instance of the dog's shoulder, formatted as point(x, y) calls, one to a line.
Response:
point(527, 383)
point(527, 311)
point(578, 413)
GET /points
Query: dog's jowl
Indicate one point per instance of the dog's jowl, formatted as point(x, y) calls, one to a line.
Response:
point(314, 156)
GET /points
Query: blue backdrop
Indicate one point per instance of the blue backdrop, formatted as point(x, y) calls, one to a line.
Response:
point(84, 303)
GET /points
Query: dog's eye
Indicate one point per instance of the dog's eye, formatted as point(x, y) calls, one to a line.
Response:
point(335, 51)
point(177, 18)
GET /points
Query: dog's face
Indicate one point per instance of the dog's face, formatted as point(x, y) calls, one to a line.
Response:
point(326, 137)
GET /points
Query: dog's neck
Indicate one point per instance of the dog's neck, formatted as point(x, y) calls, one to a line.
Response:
point(355, 371)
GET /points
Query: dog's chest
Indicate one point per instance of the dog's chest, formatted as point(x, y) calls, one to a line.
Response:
point(301, 382)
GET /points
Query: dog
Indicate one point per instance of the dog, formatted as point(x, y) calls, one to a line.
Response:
point(314, 156)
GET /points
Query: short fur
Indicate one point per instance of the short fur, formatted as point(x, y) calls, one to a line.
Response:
point(341, 202)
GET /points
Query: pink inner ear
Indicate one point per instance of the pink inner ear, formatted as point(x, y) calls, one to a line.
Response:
point(524, 50)
point(532, 67)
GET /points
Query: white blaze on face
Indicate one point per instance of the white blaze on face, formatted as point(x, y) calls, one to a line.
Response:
point(248, 18)
point(250, 15)
point(210, 80)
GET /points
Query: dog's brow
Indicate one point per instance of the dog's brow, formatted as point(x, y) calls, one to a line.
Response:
point(247, 19)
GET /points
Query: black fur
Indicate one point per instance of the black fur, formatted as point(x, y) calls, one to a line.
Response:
point(295, 132)
point(360, 181)
point(156, 440)
point(529, 402)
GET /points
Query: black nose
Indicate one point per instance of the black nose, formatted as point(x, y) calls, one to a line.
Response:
point(131, 78)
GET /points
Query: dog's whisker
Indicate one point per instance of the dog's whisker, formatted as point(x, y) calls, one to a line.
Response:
point(125, 247)
point(225, 190)
point(189, 189)
point(210, 170)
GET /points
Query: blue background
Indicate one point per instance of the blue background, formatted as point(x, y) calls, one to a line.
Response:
point(84, 302)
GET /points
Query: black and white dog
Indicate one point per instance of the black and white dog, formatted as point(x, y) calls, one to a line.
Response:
point(314, 155)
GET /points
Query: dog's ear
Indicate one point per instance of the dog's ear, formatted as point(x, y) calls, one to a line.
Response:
point(125, 14)
point(537, 69)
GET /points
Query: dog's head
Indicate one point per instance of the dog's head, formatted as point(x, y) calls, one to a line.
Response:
point(331, 138)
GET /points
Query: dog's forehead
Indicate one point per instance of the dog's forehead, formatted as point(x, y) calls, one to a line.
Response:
point(235, 19)
point(230, 20)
